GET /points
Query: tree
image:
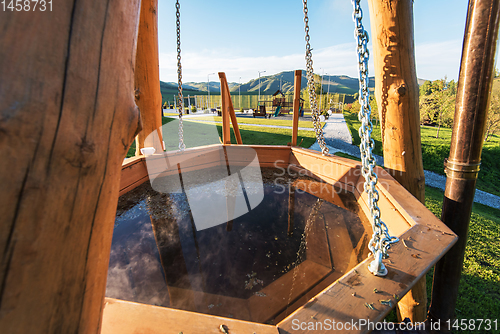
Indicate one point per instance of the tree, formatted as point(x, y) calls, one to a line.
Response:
point(437, 101)
point(493, 119)
point(425, 89)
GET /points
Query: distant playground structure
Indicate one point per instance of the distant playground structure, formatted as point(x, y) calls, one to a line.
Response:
point(283, 100)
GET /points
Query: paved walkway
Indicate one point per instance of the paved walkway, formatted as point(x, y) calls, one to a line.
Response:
point(338, 139)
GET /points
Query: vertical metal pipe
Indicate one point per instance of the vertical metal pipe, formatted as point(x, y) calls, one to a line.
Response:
point(462, 166)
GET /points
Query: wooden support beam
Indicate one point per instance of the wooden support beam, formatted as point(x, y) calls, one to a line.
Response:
point(396, 91)
point(228, 112)
point(296, 105)
point(147, 78)
point(67, 119)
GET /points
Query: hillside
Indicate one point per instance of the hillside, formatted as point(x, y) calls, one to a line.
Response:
point(170, 89)
point(270, 84)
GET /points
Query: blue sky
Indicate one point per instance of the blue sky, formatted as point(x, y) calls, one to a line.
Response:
point(244, 37)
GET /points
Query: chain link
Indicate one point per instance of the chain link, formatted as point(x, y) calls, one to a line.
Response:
point(180, 104)
point(310, 87)
point(381, 239)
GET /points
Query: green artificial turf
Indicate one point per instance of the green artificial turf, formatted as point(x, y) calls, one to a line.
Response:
point(199, 134)
point(265, 121)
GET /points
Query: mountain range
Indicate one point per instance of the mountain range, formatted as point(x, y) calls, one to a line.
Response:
point(270, 84)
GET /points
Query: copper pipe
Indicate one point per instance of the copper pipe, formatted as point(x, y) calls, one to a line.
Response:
point(462, 166)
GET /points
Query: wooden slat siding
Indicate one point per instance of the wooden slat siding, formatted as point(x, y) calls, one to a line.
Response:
point(296, 105)
point(318, 189)
point(297, 169)
point(121, 317)
point(271, 154)
point(227, 108)
point(133, 174)
point(337, 302)
point(330, 169)
point(135, 170)
point(317, 249)
point(413, 210)
point(392, 217)
point(268, 155)
point(190, 160)
point(278, 293)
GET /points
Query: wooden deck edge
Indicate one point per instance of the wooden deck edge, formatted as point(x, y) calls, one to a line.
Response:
point(123, 317)
point(351, 298)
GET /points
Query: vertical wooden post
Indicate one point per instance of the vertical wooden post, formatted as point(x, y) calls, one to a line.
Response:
point(228, 112)
point(462, 166)
point(396, 91)
point(67, 119)
point(296, 105)
point(147, 78)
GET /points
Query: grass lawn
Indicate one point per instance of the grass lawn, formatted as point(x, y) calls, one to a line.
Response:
point(272, 121)
point(435, 150)
point(195, 134)
point(479, 291)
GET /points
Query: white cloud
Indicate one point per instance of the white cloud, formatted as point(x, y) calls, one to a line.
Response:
point(339, 59)
point(434, 61)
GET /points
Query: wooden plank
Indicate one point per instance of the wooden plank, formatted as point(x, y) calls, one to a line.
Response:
point(328, 168)
point(344, 301)
point(265, 154)
point(131, 318)
point(323, 190)
point(413, 210)
point(133, 174)
point(133, 185)
point(227, 107)
point(286, 288)
point(68, 118)
point(147, 79)
point(226, 127)
point(296, 105)
point(392, 213)
point(166, 163)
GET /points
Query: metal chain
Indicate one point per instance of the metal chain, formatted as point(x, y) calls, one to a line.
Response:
point(182, 146)
point(381, 239)
point(310, 87)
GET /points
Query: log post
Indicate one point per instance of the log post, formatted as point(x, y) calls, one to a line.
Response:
point(67, 119)
point(296, 106)
point(462, 166)
point(147, 78)
point(396, 91)
point(228, 112)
